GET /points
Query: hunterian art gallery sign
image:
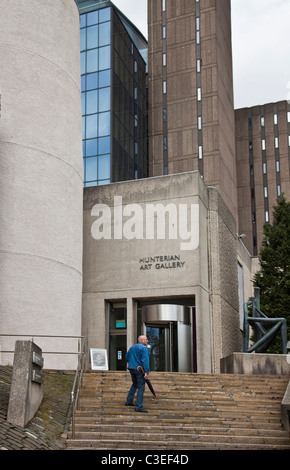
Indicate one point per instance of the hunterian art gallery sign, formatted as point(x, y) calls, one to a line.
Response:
point(161, 262)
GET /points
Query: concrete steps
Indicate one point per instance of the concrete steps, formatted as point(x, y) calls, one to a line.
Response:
point(192, 411)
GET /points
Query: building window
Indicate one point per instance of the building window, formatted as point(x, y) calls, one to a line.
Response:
point(198, 65)
point(104, 58)
point(275, 119)
point(288, 116)
point(164, 143)
point(197, 31)
point(92, 18)
point(278, 190)
point(199, 123)
point(164, 86)
point(262, 121)
point(104, 167)
point(265, 191)
point(104, 99)
point(163, 5)
point(277, 166)
point(199, 94)
point(118, 316)
point(104, 124)
point(197, 37)
point(91, 169)
point(276, 142)
point(164, 59)
point(267, 216)
point(263, 144)
point(264, 168)
point(164, 114)
point(163, 32)
point(200, 152)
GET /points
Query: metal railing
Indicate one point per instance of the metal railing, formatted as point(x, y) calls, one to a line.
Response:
point(33, 337)
point(78, 383)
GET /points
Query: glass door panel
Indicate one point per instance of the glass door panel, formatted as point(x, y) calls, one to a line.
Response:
point(159, 347)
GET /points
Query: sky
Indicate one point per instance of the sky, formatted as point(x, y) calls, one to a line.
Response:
point(260, 44)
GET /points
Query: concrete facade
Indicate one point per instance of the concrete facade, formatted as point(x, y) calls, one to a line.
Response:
point(40, 176)
point(191, 114)
point(263, 150)
point(125, 265)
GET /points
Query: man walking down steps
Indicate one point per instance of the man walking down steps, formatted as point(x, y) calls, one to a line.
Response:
point(138, 355)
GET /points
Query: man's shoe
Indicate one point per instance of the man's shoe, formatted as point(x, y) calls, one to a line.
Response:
point(141, 410)
point(129, 404)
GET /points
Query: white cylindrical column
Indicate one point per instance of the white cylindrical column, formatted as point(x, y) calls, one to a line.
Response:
point(41, 177)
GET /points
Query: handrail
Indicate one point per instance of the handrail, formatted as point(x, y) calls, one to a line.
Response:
point(11, 351)
point(78, 382)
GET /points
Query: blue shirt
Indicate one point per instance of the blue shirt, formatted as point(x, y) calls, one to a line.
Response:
point(138, 355)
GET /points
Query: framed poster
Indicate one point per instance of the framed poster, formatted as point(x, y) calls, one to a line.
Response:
point(99, 359)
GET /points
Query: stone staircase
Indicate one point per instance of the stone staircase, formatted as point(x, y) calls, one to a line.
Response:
point(191, 411)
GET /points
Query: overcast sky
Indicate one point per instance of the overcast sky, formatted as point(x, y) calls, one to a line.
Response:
point(261, 47)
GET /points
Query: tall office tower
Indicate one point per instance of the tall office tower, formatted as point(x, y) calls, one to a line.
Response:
point(191, 115)
point(263, 151)
point(41, 180)
point(114, 105)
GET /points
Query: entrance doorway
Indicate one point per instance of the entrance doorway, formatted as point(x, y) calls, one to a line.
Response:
point(117, 352)
point(117, 335)
point(169, 330)
point(162, 345)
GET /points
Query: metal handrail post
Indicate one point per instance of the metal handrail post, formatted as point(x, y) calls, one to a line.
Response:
point(78, 383)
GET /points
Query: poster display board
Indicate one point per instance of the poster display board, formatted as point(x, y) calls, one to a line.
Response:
point(99, 359)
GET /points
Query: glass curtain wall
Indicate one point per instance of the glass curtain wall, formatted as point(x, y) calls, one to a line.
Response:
point(114, 107)
point(95, 36)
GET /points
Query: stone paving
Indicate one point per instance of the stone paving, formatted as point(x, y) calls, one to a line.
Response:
point(45, 429)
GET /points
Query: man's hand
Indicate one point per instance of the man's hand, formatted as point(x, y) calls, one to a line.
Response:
point(146, 376)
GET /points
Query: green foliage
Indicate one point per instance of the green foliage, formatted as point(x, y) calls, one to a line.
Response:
point(274, 276)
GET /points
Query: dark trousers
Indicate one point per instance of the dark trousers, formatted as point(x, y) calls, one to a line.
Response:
point(138, 384)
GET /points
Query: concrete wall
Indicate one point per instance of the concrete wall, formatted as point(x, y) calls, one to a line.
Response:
point(264, 173)
point(223, 278)
point(114, 269)
point(254, 363)
point(40, 174)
